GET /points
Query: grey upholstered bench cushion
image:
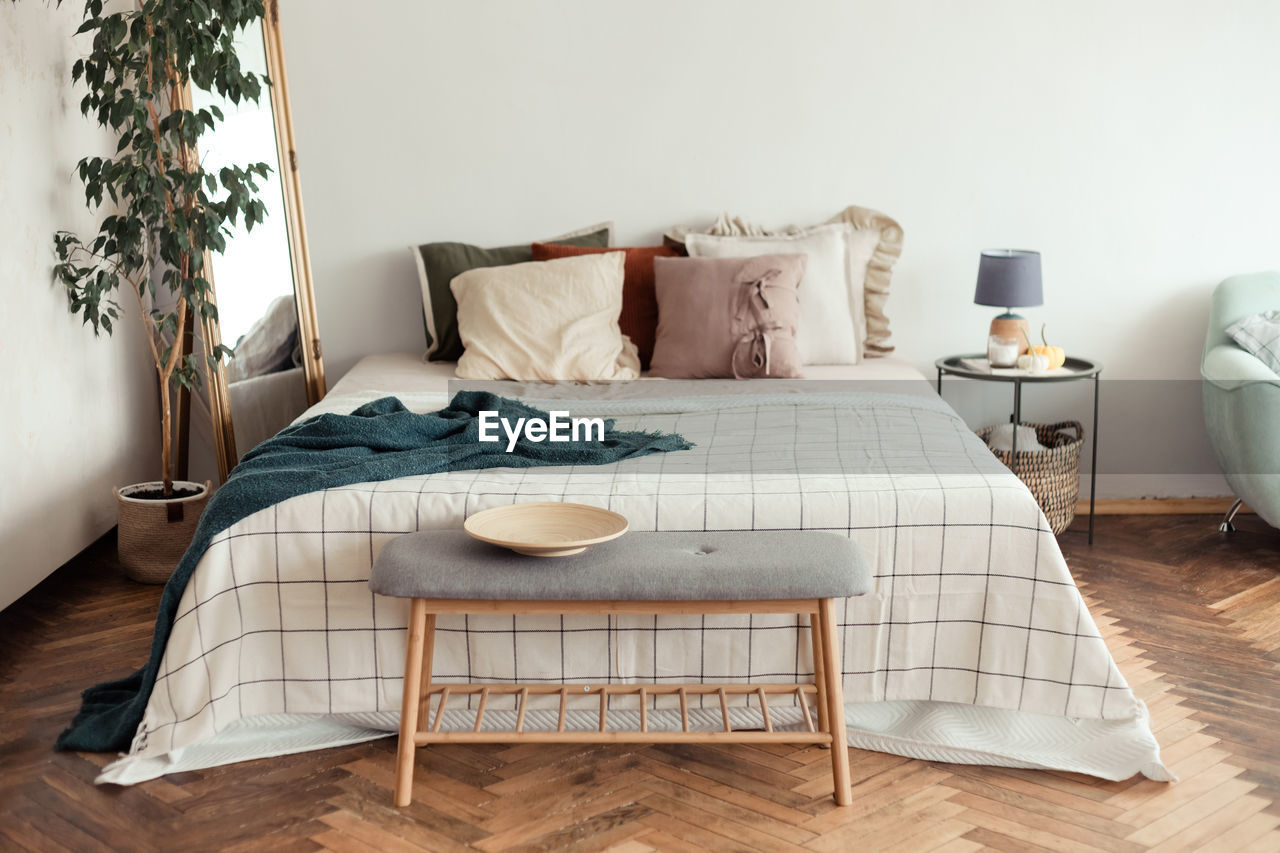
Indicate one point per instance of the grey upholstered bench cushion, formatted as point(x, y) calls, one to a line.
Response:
point(717, 566)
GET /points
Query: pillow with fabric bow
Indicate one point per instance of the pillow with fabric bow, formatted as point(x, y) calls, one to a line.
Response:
point(722, 317)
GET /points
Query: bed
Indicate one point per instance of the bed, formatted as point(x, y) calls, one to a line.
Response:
point(974, 647)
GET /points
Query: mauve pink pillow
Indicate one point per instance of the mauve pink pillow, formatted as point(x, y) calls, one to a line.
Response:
point(721, 317)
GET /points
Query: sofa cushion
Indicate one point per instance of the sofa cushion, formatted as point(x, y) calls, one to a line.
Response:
point(1259, 335)
point(751, 565)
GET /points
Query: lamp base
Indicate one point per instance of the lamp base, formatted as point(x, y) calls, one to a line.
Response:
point(1015, 326)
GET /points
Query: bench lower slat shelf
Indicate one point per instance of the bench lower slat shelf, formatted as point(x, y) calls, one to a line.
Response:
point(628, 689)
point(630, 736)
point(419, 727)
point(640, 691)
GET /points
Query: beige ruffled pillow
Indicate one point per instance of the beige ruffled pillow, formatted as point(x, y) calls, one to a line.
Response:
point(832, 326)
point(875, 226)
point(545, 320)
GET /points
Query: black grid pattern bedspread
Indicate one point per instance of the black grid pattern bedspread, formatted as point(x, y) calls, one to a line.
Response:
point(973, 601)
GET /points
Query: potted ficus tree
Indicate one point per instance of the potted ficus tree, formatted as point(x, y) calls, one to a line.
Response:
point(163, 213)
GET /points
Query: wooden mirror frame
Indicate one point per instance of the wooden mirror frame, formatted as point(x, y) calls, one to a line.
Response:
point(304, 296)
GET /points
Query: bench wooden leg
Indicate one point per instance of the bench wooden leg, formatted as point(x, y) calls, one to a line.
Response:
point(835, 701)
point(819, 673)
point(424, 689)
point(409, 704)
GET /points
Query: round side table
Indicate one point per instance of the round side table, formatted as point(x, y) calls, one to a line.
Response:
point(1080, 368)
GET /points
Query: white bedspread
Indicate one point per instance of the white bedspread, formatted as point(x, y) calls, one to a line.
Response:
point(975, 645)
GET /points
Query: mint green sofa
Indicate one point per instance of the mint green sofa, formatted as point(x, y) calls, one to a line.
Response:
point(1242, 398)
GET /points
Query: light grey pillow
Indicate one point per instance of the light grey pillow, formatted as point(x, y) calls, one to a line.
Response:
point(269, 344)
point(1259, 335)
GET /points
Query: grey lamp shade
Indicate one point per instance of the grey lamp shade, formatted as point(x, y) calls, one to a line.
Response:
point(1009, 278)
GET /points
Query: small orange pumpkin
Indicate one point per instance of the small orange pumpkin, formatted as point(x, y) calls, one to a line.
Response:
point(1057, 355)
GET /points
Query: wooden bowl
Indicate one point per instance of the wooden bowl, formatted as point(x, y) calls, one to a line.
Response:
point(546, 528)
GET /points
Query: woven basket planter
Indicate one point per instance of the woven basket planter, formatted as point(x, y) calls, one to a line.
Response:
point(154, 534)
point(1053, 475)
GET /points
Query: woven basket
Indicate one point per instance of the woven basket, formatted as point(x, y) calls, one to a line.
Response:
point(153, 535)
point(1053, 475)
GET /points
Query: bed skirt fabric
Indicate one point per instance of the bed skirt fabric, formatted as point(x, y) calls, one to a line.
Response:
point(933, 731)
point(974, 646)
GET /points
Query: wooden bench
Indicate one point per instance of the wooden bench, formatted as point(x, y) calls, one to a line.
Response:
point(642, 573)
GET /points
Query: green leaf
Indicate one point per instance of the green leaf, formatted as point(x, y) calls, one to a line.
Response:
point(167, 211)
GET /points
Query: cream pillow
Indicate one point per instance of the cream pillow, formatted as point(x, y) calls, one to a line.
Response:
point(832, 319)
point(547, 320)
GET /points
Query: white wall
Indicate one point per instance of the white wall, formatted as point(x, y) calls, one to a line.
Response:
point(1134, 144)
point(77, 414)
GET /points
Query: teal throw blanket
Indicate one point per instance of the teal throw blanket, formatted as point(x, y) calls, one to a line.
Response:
point(381, 440)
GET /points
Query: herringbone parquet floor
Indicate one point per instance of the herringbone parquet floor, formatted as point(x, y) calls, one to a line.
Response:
point(1192, 617)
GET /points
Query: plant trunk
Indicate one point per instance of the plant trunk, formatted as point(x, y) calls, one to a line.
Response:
point(166, 369)
point(166, 451)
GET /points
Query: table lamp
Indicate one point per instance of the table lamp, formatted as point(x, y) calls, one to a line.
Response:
point(1009, 278)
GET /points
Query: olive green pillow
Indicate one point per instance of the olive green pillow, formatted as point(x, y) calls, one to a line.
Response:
point(439, 263)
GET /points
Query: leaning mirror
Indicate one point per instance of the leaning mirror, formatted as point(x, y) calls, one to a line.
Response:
point(262, 281)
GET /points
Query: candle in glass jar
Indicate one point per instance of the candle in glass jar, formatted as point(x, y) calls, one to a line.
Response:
point(1002, 351)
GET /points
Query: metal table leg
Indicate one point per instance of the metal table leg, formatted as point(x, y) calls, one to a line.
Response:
point(1093, 470)
point(1017, 419)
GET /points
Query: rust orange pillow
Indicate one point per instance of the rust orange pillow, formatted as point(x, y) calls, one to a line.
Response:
point(639, 317)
